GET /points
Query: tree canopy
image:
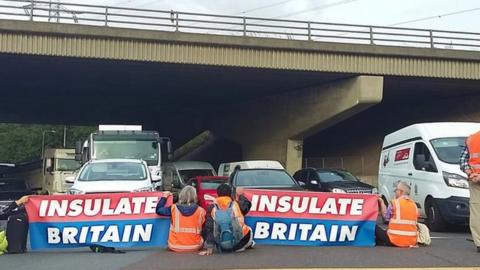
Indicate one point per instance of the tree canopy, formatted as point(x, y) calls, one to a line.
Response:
point(21, 142)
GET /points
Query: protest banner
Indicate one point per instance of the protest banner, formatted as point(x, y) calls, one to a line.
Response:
point(109, 219)
point(312, 218)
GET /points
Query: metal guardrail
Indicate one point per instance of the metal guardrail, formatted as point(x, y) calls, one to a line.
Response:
point(110, 16)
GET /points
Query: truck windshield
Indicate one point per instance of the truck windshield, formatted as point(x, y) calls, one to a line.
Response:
point(449, 149)
point(262, 177)
point(64, 164)
point(114, 171)
point(126, 147)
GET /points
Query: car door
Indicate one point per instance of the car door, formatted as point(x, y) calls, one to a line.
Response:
point(423, 172)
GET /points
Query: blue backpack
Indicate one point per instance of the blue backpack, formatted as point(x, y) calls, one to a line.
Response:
point(227, 230)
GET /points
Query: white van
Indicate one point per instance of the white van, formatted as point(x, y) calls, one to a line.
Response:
point(226, 169)
point(176, 174)
point(427, 157)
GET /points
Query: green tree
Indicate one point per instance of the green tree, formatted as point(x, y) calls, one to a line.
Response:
point(21, 142)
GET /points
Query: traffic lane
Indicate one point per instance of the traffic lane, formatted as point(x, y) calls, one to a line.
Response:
point(72, 259)
point(451, 249)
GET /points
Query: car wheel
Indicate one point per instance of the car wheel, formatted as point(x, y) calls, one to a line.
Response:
point(434, 220)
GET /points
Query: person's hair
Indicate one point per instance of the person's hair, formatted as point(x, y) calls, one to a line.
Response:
point(187, 195)
point(224, 190)
point(403, 186)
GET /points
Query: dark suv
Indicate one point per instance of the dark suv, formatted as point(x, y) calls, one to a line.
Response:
point(332, 180)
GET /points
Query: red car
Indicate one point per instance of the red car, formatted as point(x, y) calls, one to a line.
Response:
point(206, 187)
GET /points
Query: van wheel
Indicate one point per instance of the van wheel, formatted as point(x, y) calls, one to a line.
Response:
point(434, 220)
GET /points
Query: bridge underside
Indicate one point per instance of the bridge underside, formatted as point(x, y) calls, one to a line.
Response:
point(246, 105)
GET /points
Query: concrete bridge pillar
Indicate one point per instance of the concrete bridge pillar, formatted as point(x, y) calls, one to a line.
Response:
point(274, 127)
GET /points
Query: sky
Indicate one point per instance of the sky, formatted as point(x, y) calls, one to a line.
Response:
point(457, 15)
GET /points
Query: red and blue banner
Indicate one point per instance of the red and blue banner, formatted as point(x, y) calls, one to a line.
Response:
point(312, 218)
point(110, 219)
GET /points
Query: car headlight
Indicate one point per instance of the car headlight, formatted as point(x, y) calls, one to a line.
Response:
point(73, 191)
point(455, 180)
point(374, 190)
point(338, 190)
point(144, 189)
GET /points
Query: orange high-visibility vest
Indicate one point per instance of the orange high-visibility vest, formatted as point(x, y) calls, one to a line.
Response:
point(185, 231)
point(402, 228)
point(223, 203)
point(473, 145)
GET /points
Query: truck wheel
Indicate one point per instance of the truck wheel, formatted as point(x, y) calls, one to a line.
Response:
point(434, 220)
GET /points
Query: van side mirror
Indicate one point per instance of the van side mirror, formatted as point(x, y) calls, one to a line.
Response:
point(70, 179)
point(78, 150)
point(169, 151)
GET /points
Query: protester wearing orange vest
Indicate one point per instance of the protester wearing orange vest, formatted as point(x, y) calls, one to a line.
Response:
point(470, 164)
point(240, 209)
point(402, 215)
point(187, 219)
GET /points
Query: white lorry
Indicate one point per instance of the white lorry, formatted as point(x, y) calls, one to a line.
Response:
point(427, 157)
point(129, 142)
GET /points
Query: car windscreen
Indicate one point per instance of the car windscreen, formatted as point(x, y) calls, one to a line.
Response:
point(267, 178)
point(114, 171)
point(187, 174)
point(449, 150)
point(329, 176)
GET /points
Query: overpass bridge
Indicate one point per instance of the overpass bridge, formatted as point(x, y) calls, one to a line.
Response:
point(265, 84)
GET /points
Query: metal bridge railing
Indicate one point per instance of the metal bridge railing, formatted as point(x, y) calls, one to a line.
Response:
point(163, 20)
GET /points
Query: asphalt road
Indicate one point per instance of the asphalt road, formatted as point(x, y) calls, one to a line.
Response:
point(447, 249)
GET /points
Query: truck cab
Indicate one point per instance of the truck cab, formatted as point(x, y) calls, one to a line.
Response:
point(58, 164)
point(129, 142)
point(47, 175)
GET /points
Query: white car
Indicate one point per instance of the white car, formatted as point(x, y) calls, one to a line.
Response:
point(112, 175)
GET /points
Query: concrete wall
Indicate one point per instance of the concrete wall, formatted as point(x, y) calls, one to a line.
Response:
point(362, 135)
point(275, 127)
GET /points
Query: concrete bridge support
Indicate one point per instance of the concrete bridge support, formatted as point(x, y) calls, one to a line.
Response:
point(274, 127)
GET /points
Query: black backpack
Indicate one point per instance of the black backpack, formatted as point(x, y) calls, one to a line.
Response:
point(17, 231)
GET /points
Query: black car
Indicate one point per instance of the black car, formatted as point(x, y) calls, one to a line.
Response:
point(332, 180)
point(263, 179)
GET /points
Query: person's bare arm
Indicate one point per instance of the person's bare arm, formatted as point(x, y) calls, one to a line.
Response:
point(22, 200)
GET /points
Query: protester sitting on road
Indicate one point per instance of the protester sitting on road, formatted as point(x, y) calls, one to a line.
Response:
point(5, 213)
point(225, 228)
point(186, 222)
point(402, 215)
